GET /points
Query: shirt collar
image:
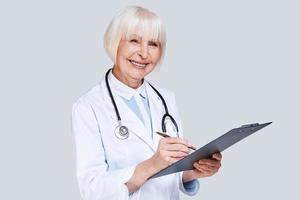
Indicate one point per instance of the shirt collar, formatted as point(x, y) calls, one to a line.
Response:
point(125, 91)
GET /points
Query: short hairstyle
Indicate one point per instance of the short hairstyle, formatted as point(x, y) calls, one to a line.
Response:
point(134, 20)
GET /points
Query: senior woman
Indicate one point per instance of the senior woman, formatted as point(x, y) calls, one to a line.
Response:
point(115, 122)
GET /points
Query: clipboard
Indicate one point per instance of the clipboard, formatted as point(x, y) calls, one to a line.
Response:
point(218, 145)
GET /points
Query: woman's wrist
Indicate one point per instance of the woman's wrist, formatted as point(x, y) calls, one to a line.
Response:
point(147, 168)
point(142, 172)
point(187, 176)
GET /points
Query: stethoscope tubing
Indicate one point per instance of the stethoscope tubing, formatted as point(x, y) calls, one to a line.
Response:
point(121, 128)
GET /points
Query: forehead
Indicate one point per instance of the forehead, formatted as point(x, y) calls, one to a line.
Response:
point(148, 30)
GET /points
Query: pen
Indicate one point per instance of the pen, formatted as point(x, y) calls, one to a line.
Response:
point(165, 135)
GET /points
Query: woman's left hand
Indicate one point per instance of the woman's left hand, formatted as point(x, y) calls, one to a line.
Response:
point(203, 168)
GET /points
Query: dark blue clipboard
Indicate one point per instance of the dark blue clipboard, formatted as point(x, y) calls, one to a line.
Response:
point(218, 145)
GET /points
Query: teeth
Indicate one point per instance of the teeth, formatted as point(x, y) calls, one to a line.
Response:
point(138, 64)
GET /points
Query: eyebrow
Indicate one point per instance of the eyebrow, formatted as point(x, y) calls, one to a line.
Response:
point(134, 35)
point(140, 37)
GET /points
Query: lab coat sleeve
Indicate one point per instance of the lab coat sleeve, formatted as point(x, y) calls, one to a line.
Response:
point(94, 179)
point(190, 188)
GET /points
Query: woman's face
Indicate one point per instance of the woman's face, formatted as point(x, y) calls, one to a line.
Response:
point(136, 57)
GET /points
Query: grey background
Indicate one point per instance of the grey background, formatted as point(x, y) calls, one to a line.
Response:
point(229, 63)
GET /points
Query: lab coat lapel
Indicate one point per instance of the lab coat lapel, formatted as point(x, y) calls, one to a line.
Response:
point(157, 111)
point(129, 118)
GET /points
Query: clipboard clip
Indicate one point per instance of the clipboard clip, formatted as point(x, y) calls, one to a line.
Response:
point(250, 125)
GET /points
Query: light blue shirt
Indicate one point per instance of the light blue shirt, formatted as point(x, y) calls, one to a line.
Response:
point(134, 107)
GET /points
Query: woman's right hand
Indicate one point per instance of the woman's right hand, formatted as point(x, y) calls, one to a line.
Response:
point(169, 151)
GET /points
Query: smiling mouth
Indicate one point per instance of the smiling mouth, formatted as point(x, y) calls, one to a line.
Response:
point(138, 64)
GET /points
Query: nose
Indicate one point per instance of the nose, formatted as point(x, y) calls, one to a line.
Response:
point(143, 51)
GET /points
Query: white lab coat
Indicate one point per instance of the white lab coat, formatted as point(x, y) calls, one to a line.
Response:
point(105, 163)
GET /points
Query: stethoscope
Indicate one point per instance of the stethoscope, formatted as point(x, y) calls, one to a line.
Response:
point(122, 131)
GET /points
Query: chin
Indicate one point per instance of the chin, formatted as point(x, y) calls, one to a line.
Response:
point(138, 75)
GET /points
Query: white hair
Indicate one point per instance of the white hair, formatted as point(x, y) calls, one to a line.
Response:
point(134, 20)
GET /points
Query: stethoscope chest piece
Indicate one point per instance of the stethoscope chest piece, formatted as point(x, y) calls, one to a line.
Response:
point(121, 132)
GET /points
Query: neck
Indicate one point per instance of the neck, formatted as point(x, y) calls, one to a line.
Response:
point(126, 80)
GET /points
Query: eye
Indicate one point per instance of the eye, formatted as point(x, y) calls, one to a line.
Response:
point(153, 44)
point(133, 41)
